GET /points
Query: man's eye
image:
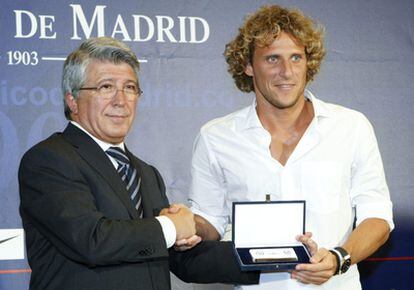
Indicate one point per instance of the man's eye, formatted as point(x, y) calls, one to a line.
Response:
point(106, 87)
point(296, 57)
point(272, 58)
point(131, 88)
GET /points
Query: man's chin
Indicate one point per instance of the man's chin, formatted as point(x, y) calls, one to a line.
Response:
point(283, 105)
point(285, 102)
point(117, 136)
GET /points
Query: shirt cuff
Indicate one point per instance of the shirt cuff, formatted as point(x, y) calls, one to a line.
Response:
point(381, 210)
point(168, 229)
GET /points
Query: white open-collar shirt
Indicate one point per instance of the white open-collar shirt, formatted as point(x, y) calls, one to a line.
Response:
point(336, 167)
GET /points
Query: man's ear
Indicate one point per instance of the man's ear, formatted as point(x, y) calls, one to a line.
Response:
point(71, 102)
point(249, 70)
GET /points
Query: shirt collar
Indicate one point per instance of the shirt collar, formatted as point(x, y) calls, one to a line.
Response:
point(104, 145)
point(320, 108)
point(251, 119)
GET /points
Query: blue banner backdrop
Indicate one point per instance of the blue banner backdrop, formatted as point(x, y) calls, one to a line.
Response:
point(369, 67)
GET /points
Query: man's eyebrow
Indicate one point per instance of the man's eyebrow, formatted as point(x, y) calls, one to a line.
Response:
point(271, 54)
point(113, 80)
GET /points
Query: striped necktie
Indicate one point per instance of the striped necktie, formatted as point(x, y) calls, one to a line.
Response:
point(129, 176)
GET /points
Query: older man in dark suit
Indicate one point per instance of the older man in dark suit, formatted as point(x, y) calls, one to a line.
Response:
point(92, 211)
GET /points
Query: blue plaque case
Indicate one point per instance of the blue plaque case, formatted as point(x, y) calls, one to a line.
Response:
point(268, 224)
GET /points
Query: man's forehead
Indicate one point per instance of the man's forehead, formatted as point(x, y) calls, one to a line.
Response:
point(285, 42)
point(97, 68)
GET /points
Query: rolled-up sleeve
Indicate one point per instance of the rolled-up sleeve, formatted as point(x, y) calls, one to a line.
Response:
point(369, 190)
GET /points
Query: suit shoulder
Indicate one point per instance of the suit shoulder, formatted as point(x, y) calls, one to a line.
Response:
point(54, 142)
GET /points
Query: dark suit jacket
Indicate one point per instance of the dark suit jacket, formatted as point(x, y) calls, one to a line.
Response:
point(82, 231)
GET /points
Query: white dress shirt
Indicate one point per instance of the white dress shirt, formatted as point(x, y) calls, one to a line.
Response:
point(336, 167)
point(167, 225)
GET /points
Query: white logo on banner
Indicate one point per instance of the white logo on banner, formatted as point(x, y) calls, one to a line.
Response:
point(11, 244)
point(135, 27)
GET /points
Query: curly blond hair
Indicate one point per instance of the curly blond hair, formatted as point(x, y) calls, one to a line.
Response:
point(261, 29)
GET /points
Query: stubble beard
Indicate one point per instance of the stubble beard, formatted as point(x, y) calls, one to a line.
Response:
point(282, 105)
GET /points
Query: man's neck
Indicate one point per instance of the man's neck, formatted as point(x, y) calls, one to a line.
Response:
point(277, 120)
point(104, 145)
point(286, 126)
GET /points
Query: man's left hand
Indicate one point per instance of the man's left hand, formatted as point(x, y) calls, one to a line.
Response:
point(321, 268)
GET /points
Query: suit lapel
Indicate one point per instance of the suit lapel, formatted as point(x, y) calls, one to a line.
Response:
point(99, 161)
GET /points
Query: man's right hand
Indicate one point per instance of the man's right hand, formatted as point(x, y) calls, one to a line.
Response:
point(187, 244)
point(183, 220)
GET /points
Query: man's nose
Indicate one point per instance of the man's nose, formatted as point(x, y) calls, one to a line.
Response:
point(119, 96)
point(286, 69)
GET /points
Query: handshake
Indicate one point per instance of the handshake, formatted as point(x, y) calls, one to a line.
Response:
point(185, 225)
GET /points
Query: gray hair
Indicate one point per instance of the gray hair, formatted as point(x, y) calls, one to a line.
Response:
point(100, 48)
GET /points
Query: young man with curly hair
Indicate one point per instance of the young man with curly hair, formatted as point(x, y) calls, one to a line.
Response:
point(293, 146)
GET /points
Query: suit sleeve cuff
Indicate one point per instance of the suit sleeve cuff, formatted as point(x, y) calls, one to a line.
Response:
point(168, 229)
